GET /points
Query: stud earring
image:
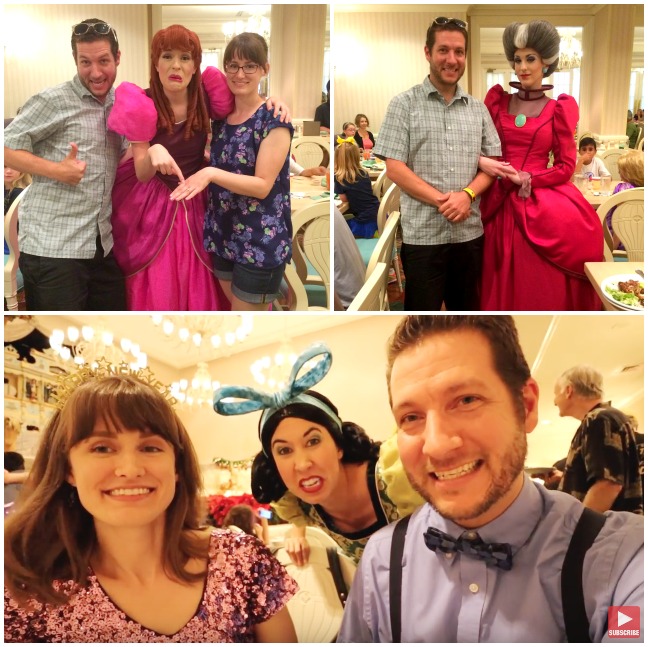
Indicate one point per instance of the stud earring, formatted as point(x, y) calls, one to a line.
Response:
point(545, 70)
point(72, 498)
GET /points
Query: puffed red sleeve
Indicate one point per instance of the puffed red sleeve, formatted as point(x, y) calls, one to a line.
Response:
point(564, 145)
point(220, 100)
point(496, 100)
point(493, 102)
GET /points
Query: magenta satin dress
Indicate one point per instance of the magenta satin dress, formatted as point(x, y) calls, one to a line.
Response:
point(535, 249)
point(159, 243)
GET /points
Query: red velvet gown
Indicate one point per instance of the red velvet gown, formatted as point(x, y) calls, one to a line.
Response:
point(535, 249)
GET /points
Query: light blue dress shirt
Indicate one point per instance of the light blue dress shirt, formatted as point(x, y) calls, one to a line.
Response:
point(457, 598)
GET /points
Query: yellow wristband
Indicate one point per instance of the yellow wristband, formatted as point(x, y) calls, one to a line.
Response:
point(470, 192)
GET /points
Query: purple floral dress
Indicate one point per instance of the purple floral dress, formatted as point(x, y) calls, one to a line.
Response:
point(239, 228)
point(245, 586)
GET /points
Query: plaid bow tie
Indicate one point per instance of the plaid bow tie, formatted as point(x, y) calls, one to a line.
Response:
point(470, 543)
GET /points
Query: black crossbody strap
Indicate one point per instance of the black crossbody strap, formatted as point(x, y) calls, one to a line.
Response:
point(336, 572)
point(571, 581)
point(396, 577)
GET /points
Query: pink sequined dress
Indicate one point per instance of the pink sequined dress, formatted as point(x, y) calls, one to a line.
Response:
point(245, 586)
point(159, 243)
point(535, 248)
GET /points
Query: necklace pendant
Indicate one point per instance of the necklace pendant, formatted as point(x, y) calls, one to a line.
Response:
point(520, 120)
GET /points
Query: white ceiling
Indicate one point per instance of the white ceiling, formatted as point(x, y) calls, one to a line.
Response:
point(175, 354)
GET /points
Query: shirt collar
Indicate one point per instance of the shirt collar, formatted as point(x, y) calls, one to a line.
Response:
point(601, 405)
point(82, 92)
point(514, 526)
point(430, 88)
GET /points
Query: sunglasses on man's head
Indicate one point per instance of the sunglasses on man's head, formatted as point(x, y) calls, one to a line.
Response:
point(450, 21)
point(101, 28)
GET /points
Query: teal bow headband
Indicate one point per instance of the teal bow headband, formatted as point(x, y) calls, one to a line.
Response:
point(251, 399)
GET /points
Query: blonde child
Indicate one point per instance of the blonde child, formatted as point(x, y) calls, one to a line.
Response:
point(631, 170)
point(353, 186)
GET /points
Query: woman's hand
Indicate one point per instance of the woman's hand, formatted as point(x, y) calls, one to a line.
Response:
point(297, 546)
point(162, 161)
point(496, 168)
point(193, 185)
point(279, 107)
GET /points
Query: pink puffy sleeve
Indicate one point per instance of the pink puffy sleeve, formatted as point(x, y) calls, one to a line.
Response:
point(133, 114)
point(564, 146)
point(220, 100)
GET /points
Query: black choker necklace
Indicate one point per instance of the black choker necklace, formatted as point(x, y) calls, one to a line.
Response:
point(526, 95)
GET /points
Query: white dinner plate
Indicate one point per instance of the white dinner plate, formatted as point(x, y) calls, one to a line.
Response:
point(613, 282)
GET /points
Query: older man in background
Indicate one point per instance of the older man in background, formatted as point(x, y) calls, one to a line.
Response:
point(60, 137)
point(603, 464)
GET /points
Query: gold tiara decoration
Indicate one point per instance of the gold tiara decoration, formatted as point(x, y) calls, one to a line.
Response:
point(67, 384)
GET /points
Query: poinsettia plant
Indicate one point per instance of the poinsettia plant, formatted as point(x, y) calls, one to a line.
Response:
point(218, 505)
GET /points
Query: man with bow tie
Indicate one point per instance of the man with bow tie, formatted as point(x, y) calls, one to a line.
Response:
point(485, 559)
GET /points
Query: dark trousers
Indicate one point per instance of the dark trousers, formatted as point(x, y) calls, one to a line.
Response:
point(73, 284)
point(437, 274)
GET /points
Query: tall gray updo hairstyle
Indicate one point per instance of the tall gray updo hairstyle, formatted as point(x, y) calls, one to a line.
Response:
point(539, 35)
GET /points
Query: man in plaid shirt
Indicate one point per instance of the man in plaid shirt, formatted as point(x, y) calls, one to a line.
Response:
point(60, 137)
point(431, 139)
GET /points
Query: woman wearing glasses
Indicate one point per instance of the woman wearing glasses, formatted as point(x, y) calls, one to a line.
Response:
point(248, 220)
point(539, 231)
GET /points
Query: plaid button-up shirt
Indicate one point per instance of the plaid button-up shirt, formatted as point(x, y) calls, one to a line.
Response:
point(59, 220)
point(441, 144)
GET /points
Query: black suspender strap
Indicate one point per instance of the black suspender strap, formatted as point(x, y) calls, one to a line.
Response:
point(571, 581)
point(396, 576)
point(336, 572)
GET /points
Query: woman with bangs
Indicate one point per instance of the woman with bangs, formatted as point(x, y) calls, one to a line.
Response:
point(248, 221)
point(107, 545)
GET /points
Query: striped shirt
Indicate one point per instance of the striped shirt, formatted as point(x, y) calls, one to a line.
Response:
point(441, 144)
point(58, 220)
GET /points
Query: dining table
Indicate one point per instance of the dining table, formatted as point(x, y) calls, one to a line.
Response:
point(374, 167)
point(597, 273)
point(306, 190)
point(595, 198)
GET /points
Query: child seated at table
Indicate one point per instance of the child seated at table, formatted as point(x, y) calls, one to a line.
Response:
point(631, 170)
point(353, 185)
point(587, 162)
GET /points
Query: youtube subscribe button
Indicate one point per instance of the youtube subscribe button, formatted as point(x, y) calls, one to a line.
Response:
point(623, 622)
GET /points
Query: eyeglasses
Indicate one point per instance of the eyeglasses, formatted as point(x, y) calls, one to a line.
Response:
point(450, 21)
point(101, 28)
point(248, 68)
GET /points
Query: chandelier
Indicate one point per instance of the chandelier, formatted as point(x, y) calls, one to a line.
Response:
point(273, 372)
point(256, 24)
point(571, 53)
point(217, 330)
point(197, 393)
point(88, 345)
